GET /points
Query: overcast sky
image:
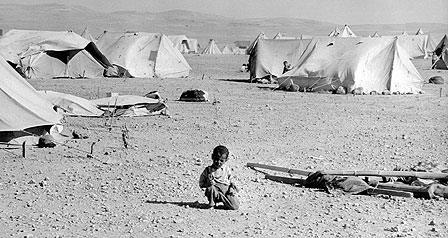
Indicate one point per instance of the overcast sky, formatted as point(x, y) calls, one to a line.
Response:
point(335, 11)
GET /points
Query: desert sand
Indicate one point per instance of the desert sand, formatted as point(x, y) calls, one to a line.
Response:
point(151, 189)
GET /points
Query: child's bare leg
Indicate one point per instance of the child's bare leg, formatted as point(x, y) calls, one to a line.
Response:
point(212, 194)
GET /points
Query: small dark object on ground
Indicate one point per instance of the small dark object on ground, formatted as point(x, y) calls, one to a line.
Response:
point(76, 135)
point(436, 80)
point(373, 93)
point(46, 141)
point(386, 92)
point(194, 95)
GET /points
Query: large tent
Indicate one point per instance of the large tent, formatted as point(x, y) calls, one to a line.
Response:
point(369, 64)
point(22, 109)
point(52, 54)
point(180, 42)
point(267, 58)
point(441, 52)
point(143, 55)
point(212, 48)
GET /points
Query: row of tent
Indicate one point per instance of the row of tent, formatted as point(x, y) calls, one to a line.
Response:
point(336, 32)
point(325, 63)
point(213, 49)
point(53, 54)
point(418, 45)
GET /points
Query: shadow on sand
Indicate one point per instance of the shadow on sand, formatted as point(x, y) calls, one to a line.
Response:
point(235, 80)
point(195, 204)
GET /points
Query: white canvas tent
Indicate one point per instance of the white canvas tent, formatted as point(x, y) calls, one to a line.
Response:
point(143, 55)
point(280, 36)
point(419, 32)
point(441, 52)
point(371, 64)
point(226, 50)
point(238, 51)
point(335, 32)
point(346, 32)
point(375, 35)
point(416, 45)
point(267, 58)
point(211, 49)
point(194, 45)
point(50, 54)
point(86, 35)
point(180, 42)
point(22, 107)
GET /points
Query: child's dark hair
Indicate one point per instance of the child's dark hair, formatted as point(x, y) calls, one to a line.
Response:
point(220, 150)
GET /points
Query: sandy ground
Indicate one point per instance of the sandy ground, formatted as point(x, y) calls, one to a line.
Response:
point(151, 189)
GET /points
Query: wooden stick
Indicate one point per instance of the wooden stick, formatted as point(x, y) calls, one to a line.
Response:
point(23, 149)
point(375, 191)
point(424, 175)
point(91, 148)
point(280, 169)
point(418, 191)
point(125, 136)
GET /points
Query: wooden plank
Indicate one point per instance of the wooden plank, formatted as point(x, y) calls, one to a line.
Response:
point(376, 191)
point(285, 180)
point(279, 169)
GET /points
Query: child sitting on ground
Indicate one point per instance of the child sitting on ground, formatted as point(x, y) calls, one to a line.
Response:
point(217, 181)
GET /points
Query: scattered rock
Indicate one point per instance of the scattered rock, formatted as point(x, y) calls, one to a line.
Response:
point(43, 183)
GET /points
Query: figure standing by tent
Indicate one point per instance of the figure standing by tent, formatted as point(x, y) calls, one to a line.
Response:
point(216, 179)
point(286, 66)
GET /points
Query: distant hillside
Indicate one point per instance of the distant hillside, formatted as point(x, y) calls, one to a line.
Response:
point(193, 24)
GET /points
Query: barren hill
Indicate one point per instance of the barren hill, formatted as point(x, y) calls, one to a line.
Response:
point(194, 24)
